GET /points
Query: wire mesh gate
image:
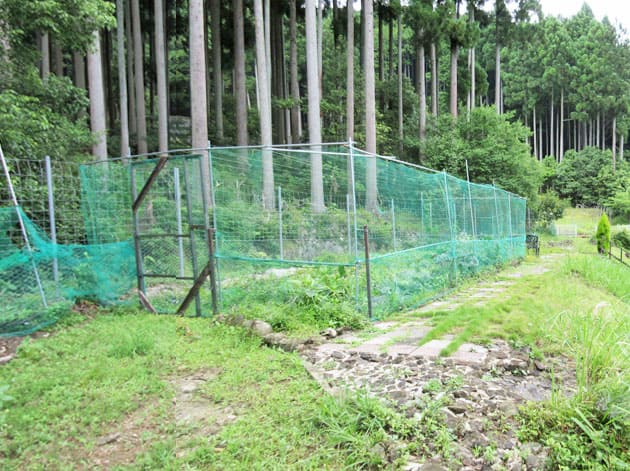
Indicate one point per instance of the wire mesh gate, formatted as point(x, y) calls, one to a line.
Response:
point(173, 237)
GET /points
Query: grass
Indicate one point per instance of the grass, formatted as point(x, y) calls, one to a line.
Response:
point(118, 372)
point(579, 308)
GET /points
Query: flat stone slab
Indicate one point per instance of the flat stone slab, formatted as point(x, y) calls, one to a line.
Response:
point(431, 349)
point(398, 349)
point(368, 348)
point(469, 353)
point(331, 347)
point(347, 338)
point(384, 325)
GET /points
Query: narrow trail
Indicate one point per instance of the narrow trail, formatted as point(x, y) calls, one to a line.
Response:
point(478, 388)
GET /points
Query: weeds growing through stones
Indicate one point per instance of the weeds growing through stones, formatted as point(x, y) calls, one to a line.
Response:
point(364, 426)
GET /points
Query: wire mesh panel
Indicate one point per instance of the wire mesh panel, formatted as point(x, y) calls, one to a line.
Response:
point(286, 234)
point(33, 282)
point(427, 230)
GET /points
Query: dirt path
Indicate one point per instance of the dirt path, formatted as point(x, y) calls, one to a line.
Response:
point(478, 387)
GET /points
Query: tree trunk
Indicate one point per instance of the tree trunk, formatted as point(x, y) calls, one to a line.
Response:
point(141, 122)
point(45, 55)
point(434, 80)
point(473, 59)
point(381, 58)
point(131, 89)
point(239, 74)
point(198, 83)
point(97, 99)
point(293, 73)
point(350, 91)
point(160, 67)
point(265, 106)
point(320, 47)
point(122, 78)
point(362, 36)
point(350, 74)
point(390, 30)
point(78, 66)
point(536, 154)
point(541, 154)
point(497, 85)
point(422, 93)
point(400, 85)
point(561, 136)
point(57, 58)
point(454, 54)
point(217, 71)
point(106, 58)
point(370, 110)
point(314, 122)
point(614, 143)
point(278, 76)
point(621, 139)
point(198, 94)
point(267, 26)
point(335, 8)
point(552, 140)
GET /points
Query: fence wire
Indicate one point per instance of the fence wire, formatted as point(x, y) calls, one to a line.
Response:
point(274, 244)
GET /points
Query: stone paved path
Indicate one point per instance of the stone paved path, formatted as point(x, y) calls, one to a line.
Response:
point(479, 387)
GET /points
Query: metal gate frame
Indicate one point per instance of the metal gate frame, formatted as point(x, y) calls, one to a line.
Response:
point(199, 276)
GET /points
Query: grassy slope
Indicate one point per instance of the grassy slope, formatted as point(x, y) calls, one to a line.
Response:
point(72, 388)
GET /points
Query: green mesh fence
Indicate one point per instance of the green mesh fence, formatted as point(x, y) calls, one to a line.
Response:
point(102, 273)
point(427, 231)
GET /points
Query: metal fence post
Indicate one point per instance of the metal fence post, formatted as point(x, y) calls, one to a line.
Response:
point(473, 222)
point(394, 223)
point(450, 224)
point(213, 204)
point(422, 213)
point(348, 224)
point(51, 215)
point(368, 278)
point(354, 210)
point(496, 210)
point(280, 223)
point(510, 224)
point(27, 243)
point(178, 210)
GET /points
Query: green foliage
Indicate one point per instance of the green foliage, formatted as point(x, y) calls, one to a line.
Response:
point(603, 235)
point(586, 177)
point(494, 147)
point(548, 208)
point(300, 302)
point(72, 22)
point(601, 273)
point(360, 424)
point(620, 202)
point(622, 239)
point(34, 126)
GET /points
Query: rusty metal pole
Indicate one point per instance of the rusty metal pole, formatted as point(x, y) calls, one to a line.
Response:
point(368, 279)
point(213, 273)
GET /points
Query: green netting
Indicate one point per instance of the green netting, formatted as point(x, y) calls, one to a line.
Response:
point(103, 273)
point(427, 230)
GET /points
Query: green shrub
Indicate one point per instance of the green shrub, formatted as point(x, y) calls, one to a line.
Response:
point(622, 240)
point(549, 208)
point(603, 235)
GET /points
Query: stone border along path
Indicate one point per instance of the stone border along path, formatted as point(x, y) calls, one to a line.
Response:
point(478, 388)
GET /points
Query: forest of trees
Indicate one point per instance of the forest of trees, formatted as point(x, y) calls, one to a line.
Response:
point(522, 97)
